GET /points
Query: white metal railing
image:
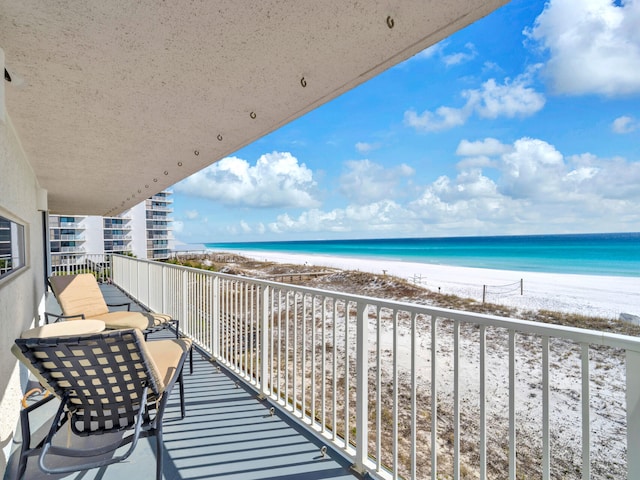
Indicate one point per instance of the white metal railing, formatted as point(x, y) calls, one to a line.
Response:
point(108, 236)
point(412, 391)
point(68, 237)
point(162, 198)
point(72, 264)
point(61, 225)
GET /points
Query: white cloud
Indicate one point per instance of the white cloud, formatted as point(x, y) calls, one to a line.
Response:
point(461, 57)
point(444, 118)
point(513, 98)
point(276, 180)
point(527, 186)
point(366, 181)
point(449, 59)
point(488, 146)
point(531, 170)
point(385, 216)
point(363, 147)
point(244, 226)
point(625, 124)
point(191, 214)
point(431, 51)
point(594, 45)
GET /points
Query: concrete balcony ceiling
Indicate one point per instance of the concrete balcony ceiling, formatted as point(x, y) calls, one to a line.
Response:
point(116, 101)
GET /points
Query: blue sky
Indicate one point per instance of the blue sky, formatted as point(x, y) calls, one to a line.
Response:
point(526, 122)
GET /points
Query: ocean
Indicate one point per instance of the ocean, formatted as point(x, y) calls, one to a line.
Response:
point(615, 254)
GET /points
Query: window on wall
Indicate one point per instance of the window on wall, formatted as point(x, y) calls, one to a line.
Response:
point(12, 250)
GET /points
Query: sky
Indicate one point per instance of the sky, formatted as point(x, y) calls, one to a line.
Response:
point(525, 122)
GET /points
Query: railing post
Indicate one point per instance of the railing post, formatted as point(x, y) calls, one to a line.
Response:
point(185, 302)
point(633, 414)
point(164, 290)
point(362, 388)
point(215, 319)
point(264, 343)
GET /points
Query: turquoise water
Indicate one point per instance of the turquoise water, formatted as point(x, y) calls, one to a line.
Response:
point(590, 254)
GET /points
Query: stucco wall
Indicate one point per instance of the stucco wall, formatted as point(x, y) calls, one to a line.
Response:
point(22, 293)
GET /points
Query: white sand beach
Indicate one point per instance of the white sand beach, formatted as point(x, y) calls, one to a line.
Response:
point(593, 295)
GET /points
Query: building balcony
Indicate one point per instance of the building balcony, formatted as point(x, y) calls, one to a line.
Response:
point(76, 225)
point(117, 249)
point(110, 236)
point(158, 227)
point(162, 198)
point(228, 432)
point(288, 370)
point(159, 208)
point(58, 249)
point(381, 382)
point(124, 228)
point(67, 237)
point(162, 218)
point(157, 236)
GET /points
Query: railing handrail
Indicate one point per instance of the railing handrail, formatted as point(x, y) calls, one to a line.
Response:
point(575, 334)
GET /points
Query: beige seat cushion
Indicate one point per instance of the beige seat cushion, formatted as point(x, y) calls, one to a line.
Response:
point(79, 294)
point(124, 319)
point(165, 355)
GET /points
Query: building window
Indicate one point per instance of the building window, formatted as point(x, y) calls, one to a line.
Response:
point(12, 249)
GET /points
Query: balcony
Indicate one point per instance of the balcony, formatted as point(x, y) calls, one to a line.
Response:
point(228, 433)
point(76, 225)
point(162, 228)
point(74, 249)
point(381, 381)
point(358, 375)
point(162, 198)
point(108, 236)
point(159, 208)
point(154, 235)
point(67, 237)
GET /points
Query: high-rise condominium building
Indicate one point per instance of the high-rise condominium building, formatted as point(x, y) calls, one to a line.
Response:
point(143, 231)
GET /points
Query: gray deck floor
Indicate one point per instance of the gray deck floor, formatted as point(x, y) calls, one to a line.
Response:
point(227, 434)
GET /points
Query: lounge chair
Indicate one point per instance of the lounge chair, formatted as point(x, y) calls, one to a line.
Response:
point(80, 297)
point(108, 382)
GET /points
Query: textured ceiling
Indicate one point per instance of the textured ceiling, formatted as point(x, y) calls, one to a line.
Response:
point(116, 100)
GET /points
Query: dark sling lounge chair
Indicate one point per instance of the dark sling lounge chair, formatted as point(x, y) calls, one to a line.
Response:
point(109, 382)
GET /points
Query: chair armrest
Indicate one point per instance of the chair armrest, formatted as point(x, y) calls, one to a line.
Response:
point(25, 425)
point(57, 317)
point(128, 305)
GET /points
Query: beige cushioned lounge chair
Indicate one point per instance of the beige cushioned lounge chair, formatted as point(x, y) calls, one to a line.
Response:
point(113, 381)
point(80, 297)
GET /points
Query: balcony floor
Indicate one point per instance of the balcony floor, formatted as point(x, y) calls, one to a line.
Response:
point(227, 434)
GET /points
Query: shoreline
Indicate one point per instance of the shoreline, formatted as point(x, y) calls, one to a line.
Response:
point(590, 295)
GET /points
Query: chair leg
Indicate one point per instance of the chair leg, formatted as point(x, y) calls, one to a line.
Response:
point(26, 442)
point(159, 452)
point(22, 466)
point(191, 360)
point(181, 386)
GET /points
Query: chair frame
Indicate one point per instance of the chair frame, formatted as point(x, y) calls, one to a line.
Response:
point(137, 414)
